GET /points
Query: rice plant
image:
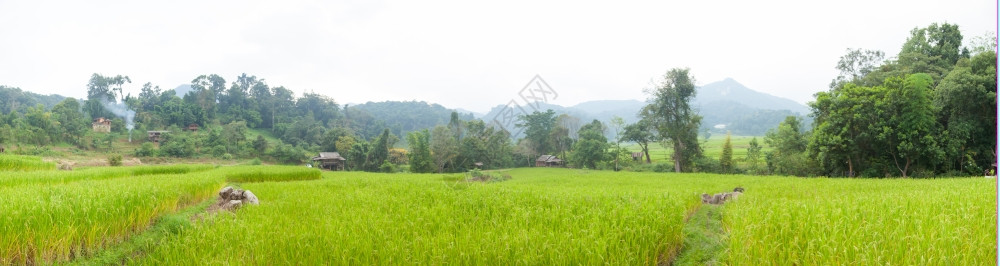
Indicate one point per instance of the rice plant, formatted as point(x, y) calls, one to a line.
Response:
point(10, 162)
point(270, 173)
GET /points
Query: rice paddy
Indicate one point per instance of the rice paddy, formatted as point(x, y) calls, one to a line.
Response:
point(539, 216)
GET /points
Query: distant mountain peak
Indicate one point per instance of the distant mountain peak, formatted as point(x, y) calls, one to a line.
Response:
point(730, 90)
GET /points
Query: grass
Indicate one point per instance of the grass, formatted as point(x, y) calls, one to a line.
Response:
point(795, 221)
point(704, 237)
point(539, 216)
point(51, 177)
point(165, 227)
point(271, 173)
point(711, 148)
point(44, 223)
point(10, 162)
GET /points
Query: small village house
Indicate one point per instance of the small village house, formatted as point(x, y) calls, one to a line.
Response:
point(102, 124)
point(191, 127)
point(155, 135)
point(548, 161)
point(330, 161)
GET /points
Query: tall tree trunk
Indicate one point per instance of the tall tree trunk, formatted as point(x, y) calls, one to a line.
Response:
point(645, 149)
point(677, 155)
point(850, 168)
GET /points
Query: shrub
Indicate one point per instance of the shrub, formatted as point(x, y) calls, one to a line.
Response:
point(146, 150)
point(115, 160)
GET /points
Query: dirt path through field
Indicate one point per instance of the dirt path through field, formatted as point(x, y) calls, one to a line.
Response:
point(704, 237)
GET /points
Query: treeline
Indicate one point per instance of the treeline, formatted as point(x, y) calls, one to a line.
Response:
point(930, 110)
point(225, 112)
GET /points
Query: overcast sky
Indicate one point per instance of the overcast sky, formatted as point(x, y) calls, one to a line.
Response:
point(457, 53)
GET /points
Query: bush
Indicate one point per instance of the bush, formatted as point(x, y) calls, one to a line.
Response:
point(146, 150)
point(388, 167)
point(115, 160)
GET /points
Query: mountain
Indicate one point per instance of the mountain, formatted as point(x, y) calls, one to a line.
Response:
point(182, 89)
point(728, 90)
point(400, 116)
point(15, 99)
point(724, 105)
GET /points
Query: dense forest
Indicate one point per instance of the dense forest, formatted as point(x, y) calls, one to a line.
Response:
point(930, 110)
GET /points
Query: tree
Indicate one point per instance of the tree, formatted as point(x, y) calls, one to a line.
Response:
point(909, 129)
point(260, 145)
point(592, 147)
point(856, 64)
point(726, 158)
point(639, 133)
point(537, 128)
point(379, 152)
point(72, 122)
point(420, 153)
point(444, 148)
point(967, 102)
point(753, 154)
point(234, 133)
point(788, 144)
point(670, 113)
point(618, 124)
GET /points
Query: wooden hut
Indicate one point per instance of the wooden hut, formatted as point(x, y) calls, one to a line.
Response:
point(101, 125)
point(154, 135)
point(548, 161)
point(330, 161)
point(191, 127)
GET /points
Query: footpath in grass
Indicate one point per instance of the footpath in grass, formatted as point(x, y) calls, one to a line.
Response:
point(704, 237)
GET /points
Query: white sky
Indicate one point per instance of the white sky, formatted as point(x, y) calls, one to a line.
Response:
point(456, 53)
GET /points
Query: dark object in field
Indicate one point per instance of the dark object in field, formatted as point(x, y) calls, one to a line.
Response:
point(721, 197)
point(232, 198)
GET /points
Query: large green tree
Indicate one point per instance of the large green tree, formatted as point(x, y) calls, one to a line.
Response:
point(420, 152)
point(670, 113)
point(592, 147)
point(967, 102)
point(537, 128)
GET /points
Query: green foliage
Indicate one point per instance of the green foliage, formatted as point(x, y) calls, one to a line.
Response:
point(592, 146)
point(388, 167)
point(115, 160)
point(537, 128)
point(147, 149)
point(726, 159)
point(753, 156)
point(444, 149)
point(788, 156)
point(670, 114)
point(420, 152)
point(639, 133)
point(177, 145)
point(287, 154)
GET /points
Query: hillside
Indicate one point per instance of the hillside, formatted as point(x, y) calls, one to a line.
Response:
point(15, 99)
point(401, 117)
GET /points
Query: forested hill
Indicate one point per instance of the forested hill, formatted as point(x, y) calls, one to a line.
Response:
point(15, 99)
point(399, 116)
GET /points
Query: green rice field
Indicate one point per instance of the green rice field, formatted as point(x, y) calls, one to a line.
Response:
point(541, 216)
